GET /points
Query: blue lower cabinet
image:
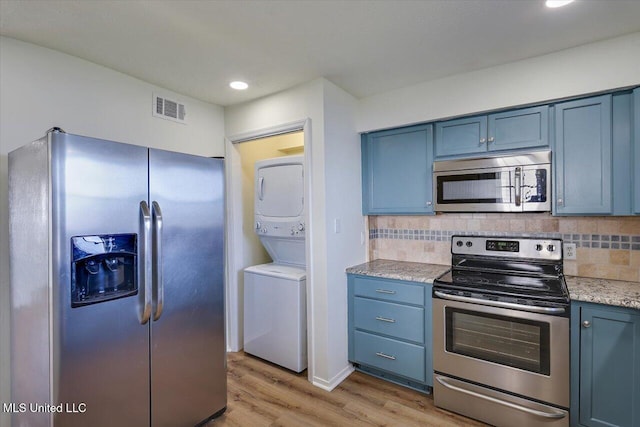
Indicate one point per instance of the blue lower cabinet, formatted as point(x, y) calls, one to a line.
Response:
point(390, 330)
point(605, 366)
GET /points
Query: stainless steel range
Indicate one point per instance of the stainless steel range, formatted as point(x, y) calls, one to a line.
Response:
point(501, 332)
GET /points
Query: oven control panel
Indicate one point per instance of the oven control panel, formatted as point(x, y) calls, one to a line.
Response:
point(512, 247)
point(503, 245)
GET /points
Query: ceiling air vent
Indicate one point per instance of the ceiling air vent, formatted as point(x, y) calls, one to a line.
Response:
point(169, 109)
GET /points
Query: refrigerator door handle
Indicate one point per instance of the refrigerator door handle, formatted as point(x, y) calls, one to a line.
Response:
point(158, 283)
point(145, 263)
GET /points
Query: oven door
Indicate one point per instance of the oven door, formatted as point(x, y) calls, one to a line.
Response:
point(479, 190)
point(515, 351)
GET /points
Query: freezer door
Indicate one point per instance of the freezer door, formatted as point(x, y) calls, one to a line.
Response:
point(188, 356)
point(100, 357)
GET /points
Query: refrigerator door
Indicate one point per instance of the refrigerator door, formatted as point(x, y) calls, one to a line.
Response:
point(100, 348)
point(188, 356)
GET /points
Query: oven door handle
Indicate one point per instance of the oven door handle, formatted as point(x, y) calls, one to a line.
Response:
point(551, 415)
point(501, 304)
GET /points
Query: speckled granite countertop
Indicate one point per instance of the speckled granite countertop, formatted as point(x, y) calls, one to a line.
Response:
point(400, 270)
point(604, 291)
point(601, 291)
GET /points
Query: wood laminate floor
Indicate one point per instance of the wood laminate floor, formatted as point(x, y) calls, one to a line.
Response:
point(264, 394)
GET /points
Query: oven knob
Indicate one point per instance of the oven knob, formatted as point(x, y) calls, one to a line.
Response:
point(459, 243)
point(469, 244)
point(551, 248)
point(538, 247)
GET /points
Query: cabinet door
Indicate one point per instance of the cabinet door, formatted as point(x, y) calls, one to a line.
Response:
point(636, 148)
point(396, 168)
point(609, 367)
point(428, 335)
point(622, 154)
point(583, 156)
point(461, 136)
point(523, 128)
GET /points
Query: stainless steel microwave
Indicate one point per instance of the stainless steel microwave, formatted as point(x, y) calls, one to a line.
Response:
point(520, 183)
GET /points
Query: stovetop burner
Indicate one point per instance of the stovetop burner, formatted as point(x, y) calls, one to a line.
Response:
point(516, 286)
point(480, 270)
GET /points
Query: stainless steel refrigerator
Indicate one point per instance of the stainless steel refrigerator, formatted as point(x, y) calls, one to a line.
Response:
point(117, 285)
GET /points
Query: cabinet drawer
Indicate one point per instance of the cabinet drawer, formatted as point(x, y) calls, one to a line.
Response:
point(399, 321)
point(390, 355)
point(388, 290)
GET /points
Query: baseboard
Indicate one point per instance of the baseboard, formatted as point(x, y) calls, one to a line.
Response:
point(335, 381)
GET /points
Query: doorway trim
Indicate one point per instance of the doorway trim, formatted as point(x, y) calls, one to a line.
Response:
point(234, 237)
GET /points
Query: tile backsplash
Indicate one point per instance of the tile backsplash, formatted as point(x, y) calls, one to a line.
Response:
point(606, 247)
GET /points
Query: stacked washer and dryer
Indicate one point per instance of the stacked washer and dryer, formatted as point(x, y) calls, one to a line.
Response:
point(275, 315)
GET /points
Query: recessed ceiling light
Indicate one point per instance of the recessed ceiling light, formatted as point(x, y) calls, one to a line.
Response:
point(557, 3)
point(238, 85)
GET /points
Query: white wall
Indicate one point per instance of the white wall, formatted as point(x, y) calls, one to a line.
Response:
point(41, 88)
point(343, 201)
point(595, 67)
point(333, 157)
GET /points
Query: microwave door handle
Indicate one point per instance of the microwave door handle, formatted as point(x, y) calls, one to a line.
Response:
point(518, 186)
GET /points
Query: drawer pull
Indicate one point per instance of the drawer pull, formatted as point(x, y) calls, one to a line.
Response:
point(386, 356)
point(385, 319)
point(385, 291)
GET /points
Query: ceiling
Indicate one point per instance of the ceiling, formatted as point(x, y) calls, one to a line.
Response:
point(196, 47)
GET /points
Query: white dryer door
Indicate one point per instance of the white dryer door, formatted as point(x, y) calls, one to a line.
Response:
point(280, 191)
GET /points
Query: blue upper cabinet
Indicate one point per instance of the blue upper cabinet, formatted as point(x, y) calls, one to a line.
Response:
point(461, 136)
point(622, 156)
point(636, 147)
point(396, 171)
point(508, 130)
point(583, 156)
point(525, 128)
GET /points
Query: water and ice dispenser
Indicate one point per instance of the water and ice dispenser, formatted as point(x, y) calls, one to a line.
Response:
point(103, 268)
